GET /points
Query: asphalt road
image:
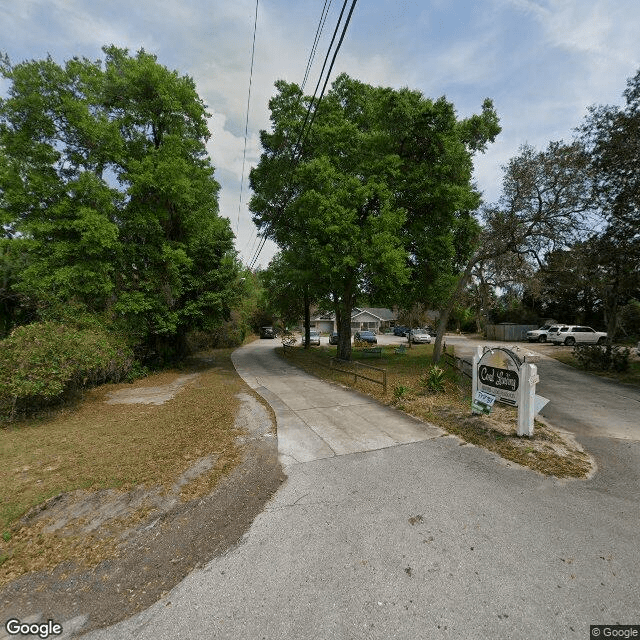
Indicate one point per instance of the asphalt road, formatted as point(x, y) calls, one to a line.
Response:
point(585, 404)
point(423, 539)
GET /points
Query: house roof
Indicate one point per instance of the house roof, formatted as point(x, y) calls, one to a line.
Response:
point(378, 312)
point(381, 314)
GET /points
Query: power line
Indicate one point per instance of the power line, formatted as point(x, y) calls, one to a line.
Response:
point(246, 124)
point(344, 31)
point(298, 146)
point(312, 55)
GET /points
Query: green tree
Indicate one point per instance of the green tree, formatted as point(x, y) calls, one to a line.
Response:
point(107, 183)
point(611, 135)
point(285, 282)
point(373, 194)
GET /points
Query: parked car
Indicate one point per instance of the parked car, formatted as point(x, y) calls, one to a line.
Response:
point(366, 336)
point(400, 330)
point(539, 335)
point(314, 338)
point(418, 336)
point(574, 334)
point(267, 332)
point(333, 338)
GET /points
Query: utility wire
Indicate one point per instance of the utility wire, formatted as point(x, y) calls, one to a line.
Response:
point(297, 149)
point(303, 135)
point(246, 124)
point(335, 54)
point(312, 55)
point(321, 22)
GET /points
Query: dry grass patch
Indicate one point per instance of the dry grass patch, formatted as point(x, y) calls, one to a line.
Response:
point(97, 446)
point(548, 451)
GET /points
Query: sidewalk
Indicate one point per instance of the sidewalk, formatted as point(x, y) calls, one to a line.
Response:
point(317, 419)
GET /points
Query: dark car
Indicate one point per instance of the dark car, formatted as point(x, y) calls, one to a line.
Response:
point(333, 338)
point(400, 330)
point(267, 332)
point(366, 336)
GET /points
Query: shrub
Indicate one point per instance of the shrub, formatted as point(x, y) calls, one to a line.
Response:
point(41, 363)
point(433, 379)
point(596, 358)
point(620, 359)
point(400, 391)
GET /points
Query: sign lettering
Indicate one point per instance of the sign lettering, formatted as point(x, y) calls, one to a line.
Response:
point(498, 378)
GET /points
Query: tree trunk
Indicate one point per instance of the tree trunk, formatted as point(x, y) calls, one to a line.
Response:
point(611, 314)
point(344, 328)
point(446, 312)
point(307, 316)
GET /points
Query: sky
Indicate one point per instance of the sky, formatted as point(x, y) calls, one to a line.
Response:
point(542, 62)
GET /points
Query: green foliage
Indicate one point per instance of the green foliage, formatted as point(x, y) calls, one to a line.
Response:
point(401, 391)
point(433, 379)
point(43, 362)
point(108, 198)
point(380, 192)
point(630, 318)
point(597, 358)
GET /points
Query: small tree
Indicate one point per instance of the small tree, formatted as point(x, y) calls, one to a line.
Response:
point(544, 205)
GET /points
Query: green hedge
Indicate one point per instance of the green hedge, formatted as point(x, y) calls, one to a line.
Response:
point(42, 363)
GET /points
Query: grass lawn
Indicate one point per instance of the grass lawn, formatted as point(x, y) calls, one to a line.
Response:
point(546, 451)
point(96, 445)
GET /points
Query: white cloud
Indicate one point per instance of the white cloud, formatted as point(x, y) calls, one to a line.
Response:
point(542, 61)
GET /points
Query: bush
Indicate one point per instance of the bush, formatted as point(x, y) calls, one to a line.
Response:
point(401, 391)
point(620, 359)
point(433, 379)
point(42, 363)
point(596, 358)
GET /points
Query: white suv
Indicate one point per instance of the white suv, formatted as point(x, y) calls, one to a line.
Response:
point(574, 334)
point(539, 335)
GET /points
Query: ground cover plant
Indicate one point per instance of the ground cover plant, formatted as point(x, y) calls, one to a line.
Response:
point(444, 399)
point(95, 445)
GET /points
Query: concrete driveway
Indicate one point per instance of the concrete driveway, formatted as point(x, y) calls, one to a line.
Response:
point(318, 420)
point(420, 539)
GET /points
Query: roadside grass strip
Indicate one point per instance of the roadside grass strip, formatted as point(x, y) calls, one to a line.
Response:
point(95, 446)
point(549, 451)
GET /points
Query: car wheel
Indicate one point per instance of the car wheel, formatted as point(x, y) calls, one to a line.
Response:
point(602, 341)
point(542, 338)
point(570, 342)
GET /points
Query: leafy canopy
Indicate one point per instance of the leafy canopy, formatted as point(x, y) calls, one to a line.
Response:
point(377, 195)
point(107, 189)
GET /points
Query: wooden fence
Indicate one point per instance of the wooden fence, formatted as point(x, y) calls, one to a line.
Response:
point(464, 366)
point(355, 371)
point(509, 332)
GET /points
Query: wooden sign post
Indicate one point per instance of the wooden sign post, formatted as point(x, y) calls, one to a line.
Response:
point(500, 372)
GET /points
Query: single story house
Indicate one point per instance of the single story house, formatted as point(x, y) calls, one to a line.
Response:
point(362, 318)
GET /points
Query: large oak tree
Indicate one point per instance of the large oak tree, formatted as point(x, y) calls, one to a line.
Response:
point(375, 194)
point(107, 188)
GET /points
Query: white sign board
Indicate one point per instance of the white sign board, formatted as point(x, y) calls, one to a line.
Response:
point(483, 402)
